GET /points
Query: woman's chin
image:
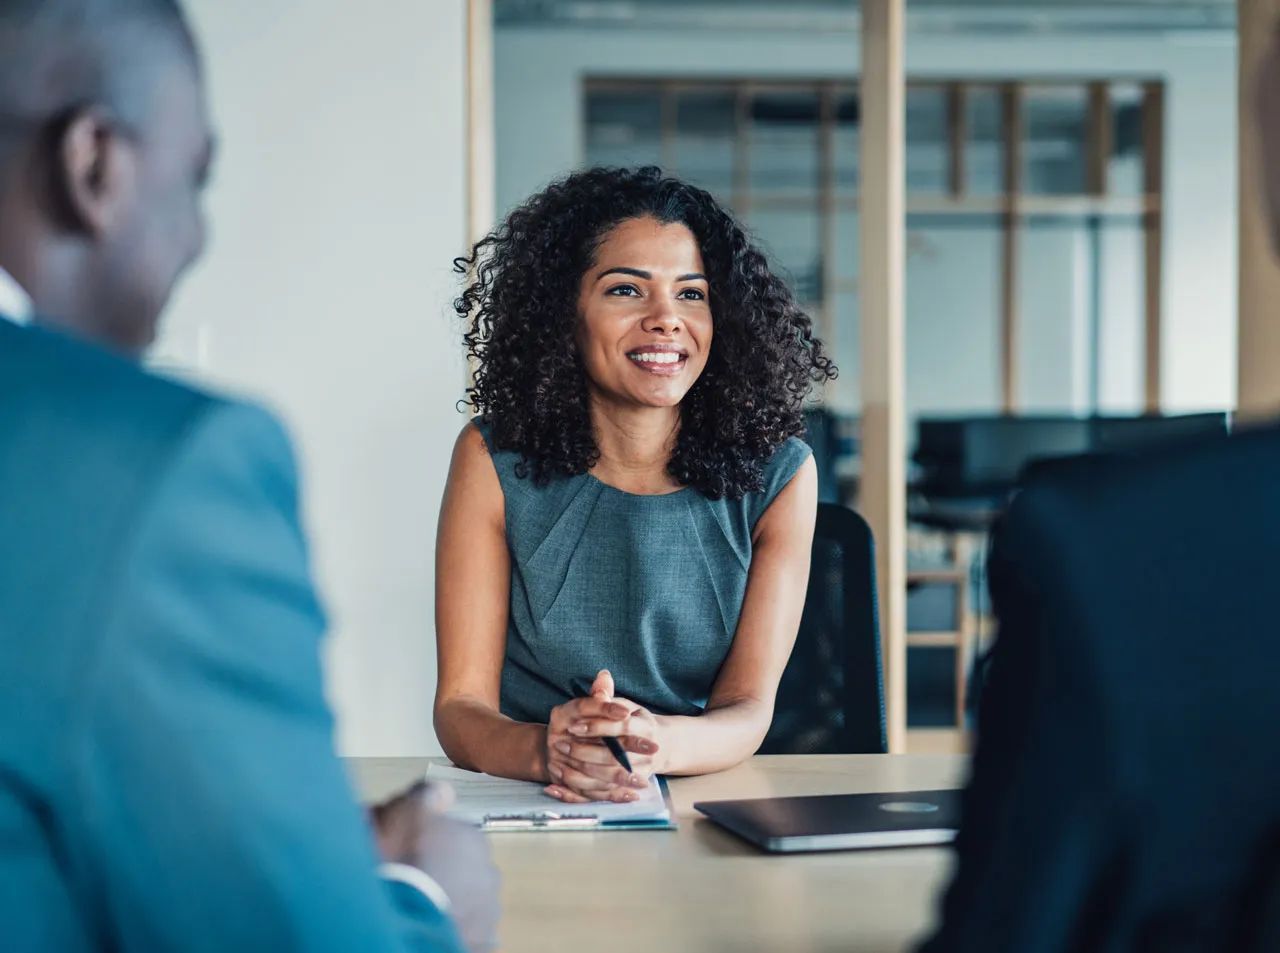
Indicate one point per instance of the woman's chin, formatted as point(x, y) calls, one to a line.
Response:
point(662, 398)
point(660, 395)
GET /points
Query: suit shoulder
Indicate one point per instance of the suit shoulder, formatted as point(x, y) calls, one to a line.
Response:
point(237, 444)
point(1224, 480)
point(83, 392)
point(116, 432)
point(1180, 464)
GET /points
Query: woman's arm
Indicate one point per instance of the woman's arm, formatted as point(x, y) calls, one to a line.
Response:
point(740, 709)
point(473, 591)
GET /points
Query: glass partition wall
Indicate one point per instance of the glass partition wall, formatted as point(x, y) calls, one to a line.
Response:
point(1034, 219)
point(1032, 271)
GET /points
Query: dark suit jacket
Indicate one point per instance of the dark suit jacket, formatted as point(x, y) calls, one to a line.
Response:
point(1126, 785)
point(167, 779)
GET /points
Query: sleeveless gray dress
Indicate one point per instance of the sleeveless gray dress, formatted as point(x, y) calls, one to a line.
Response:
point(649, 587)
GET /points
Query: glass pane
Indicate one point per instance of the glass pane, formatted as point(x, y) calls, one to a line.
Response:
point(848, 141)
point(927, 139)
point(844, 394)
point(624, 128)
point(846, 248)
point(791, 240)
point(1119, 339)
point(983, 148)
point(1054, 123)
point(953, 315)
point(1055, 292)
point(1124, 166)
point(784, 143)
point(704, 146)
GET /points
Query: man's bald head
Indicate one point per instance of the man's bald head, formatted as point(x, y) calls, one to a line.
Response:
point(57, 55)
point(104, 150)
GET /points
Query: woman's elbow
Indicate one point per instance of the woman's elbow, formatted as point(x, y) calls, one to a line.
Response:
point(450, 726)
point(755, 714)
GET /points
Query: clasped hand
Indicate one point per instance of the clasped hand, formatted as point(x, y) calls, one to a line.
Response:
point(581, 767)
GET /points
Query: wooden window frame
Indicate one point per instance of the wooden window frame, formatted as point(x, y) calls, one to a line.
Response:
point(1012, 205)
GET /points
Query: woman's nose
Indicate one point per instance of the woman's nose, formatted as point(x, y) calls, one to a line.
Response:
point(662, 319)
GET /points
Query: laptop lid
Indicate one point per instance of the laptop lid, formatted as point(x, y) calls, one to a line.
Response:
point(841, 821)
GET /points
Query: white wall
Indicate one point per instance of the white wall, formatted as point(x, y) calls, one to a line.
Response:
point(336, 210)
point(539, 102)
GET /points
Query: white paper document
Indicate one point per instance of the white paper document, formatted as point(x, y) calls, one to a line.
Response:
point(481, 796)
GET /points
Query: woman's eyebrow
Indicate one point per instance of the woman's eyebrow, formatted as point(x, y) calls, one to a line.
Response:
point(623, 270)
point(647, 275)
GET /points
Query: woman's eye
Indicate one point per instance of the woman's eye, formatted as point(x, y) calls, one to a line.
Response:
point(624, 291)
point(692, 294)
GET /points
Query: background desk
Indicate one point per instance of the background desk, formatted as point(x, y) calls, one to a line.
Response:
point(701, 890)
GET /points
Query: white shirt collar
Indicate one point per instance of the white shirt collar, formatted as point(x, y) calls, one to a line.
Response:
point(15, 303)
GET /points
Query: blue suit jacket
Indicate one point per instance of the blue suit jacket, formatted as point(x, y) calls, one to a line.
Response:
point(167, 776)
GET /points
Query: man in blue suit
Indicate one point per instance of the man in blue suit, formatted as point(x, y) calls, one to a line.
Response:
point(167, 777)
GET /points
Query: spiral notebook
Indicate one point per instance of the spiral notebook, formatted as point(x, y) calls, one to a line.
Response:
point(500, 804)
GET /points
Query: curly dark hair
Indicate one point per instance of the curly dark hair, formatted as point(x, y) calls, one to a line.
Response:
point(521, 311)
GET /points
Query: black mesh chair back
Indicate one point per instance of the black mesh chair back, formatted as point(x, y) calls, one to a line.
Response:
point(831, 699)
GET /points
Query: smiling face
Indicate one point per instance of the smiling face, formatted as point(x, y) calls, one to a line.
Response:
point(645, 328)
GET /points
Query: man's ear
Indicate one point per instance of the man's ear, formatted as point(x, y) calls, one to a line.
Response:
point(94, 175)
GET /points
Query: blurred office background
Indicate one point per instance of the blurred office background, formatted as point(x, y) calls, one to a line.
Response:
point(1070, 174)
point(1071, 244)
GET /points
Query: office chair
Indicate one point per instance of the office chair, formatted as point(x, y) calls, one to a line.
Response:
point(831, 698)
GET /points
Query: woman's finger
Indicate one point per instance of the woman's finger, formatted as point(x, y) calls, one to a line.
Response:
point(637, 745)
point(582, 782)
point(582, 708)
point(617, 796)
point(603, 685)
point(613, 774)
point(591, 751)
point(599, 728)
point(601, 770)
point(588, 786)
point(592, 757)
point(623, 795)
point(564, 794)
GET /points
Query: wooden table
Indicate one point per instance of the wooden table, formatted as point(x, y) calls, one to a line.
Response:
point(701, 889)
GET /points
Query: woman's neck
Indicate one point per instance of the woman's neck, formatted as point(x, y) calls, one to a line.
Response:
point(635, 446)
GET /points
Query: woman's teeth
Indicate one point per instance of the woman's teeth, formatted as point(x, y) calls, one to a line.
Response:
point(656, 357)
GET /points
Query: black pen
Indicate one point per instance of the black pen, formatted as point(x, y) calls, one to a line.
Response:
point(619, 752)
point(613, 744)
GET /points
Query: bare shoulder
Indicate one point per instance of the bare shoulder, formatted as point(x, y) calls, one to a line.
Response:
point(473, 480)
point(794, 510)
point(471, 456)
point(471, 439)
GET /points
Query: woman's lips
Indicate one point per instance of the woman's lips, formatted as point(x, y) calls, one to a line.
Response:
point(663, 363)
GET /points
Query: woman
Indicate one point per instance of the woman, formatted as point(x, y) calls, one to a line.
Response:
point(634, 501)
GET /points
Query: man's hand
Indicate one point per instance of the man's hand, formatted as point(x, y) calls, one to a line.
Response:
point(413, 830)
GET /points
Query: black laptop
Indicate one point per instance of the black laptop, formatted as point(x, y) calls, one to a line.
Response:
point(841, 821)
